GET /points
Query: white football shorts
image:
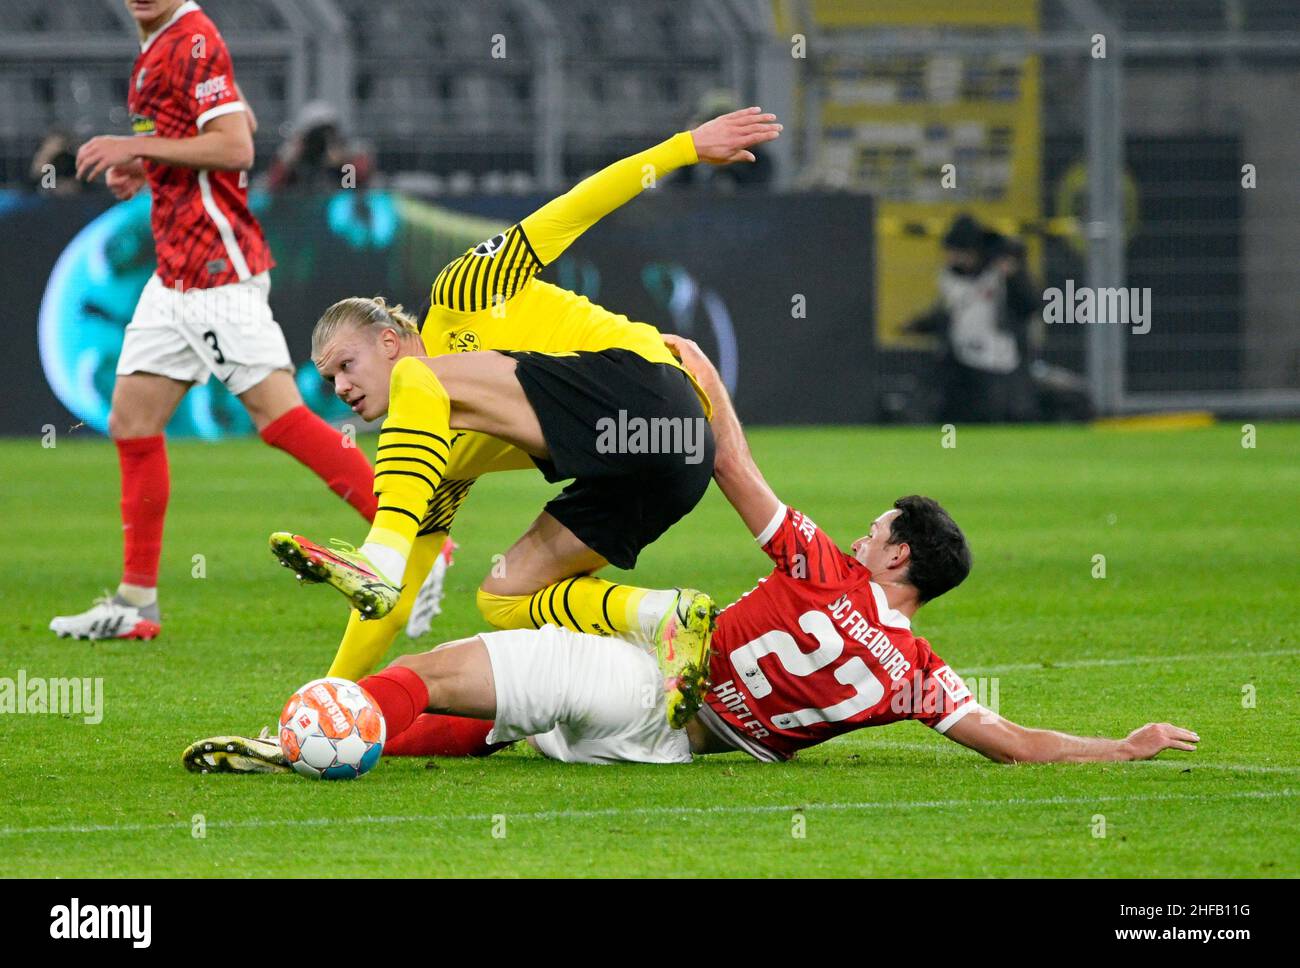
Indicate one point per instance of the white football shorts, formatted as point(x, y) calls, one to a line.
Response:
point(226, 330)
point(582, 698)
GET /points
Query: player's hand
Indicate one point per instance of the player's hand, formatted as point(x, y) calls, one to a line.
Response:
point(104, 152)
point(689, 352)
point(727, 138)
point(1146, 742)
point(124, 181)
point(693, 358)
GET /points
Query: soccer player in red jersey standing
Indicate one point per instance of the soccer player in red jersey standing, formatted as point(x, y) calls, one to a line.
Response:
point(206, 310)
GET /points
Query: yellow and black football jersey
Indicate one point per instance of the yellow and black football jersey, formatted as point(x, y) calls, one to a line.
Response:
point(471, 456)
point(490, 298)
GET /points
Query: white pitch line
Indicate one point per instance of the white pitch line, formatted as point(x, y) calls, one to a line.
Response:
point(1127, 660)
point(653, 811)
point(955, 750)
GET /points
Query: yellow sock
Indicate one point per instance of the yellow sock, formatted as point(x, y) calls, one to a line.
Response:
point(409, 462)
point(505, 611)
point(583, 604)
point(365, 643)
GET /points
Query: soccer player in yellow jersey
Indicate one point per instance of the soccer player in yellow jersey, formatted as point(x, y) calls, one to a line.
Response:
point(506, 370)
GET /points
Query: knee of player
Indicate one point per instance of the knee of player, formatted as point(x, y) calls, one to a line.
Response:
point(124, 426)
point(117, 427)
point(426, 666)
point(421, 663)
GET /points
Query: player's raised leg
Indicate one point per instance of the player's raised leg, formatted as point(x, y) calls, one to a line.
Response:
point(142, 405)
point(414, 446)
point(365, 643)
point(381, 373)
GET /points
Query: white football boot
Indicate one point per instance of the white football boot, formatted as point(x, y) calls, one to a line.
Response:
point(428, 601)
point(110, 618)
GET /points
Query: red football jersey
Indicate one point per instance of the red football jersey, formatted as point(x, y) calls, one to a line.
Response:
point(814, 650)
point(203, 232)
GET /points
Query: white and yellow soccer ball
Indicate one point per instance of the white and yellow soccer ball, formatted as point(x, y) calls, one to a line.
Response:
point(332, 729)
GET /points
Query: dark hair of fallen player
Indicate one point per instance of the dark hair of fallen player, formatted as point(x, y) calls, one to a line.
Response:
point(940, 557)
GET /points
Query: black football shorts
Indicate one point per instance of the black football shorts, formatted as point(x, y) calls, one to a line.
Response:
point(632, 436)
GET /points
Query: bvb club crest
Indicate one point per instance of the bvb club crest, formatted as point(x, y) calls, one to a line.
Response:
point(464, 341)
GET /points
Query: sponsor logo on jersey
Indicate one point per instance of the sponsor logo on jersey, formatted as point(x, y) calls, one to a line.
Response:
point(142, 125)
point(211, 89)
point(492, 246)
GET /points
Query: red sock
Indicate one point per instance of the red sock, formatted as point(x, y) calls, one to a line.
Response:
point(434, 735)
point(336, 461)
point(146, 485)
point(401, 696)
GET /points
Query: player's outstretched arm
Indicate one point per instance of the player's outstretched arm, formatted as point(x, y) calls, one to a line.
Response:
point(734, 469)
point(726, 139)
point(1006, 742)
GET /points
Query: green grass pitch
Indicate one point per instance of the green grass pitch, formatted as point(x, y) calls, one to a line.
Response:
point(1198, 609)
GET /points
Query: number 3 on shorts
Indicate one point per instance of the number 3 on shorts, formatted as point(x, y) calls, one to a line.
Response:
point(211, 338)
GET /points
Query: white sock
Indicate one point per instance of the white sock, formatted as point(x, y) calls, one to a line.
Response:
point(137, 596)
point(389, 562)
point(654, 605)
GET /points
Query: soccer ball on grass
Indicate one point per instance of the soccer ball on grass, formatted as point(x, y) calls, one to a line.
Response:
point(331, 729)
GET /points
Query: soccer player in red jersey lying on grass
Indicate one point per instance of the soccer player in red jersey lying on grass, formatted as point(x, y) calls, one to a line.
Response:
point(823, 645)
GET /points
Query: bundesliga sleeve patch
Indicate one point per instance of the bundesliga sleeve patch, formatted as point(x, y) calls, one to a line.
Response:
point(952, 684)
